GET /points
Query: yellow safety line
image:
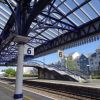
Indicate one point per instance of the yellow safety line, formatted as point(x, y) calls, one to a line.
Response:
point(13, 91)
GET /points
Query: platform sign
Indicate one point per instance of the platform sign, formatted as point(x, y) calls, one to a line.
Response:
point(28, 50)
point(61, 53)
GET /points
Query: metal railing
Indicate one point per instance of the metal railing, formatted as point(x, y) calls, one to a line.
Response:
point(76, 74)
point(71, 72)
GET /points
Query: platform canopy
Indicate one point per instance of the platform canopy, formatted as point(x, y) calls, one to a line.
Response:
point(49, 25)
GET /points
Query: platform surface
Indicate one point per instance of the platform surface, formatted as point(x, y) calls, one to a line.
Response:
point(95, 83)
point(92, 83)
point(7, 92)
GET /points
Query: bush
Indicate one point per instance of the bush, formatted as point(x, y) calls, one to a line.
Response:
point(95, 77)
point(10, 72)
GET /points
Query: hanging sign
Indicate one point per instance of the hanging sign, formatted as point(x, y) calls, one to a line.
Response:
point(28, 50)
point(61, 53)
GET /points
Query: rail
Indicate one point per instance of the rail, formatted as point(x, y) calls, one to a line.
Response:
point(73, 91)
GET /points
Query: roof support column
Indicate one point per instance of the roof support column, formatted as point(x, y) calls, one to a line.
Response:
point(19, 74)
point(20, 22)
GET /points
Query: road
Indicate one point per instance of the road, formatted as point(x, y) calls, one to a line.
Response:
point(7, 91)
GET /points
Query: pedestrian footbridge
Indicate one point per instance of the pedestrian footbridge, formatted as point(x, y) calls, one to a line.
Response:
point(62, 71)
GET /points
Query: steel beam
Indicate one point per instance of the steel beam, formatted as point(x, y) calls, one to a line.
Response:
point(40, 5)
point(85, 33)
point(6, 31)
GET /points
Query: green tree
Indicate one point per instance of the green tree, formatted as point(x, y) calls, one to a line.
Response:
point(71, 64)
point(10, 72)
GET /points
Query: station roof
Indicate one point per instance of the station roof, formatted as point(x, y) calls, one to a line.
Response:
point(58, 17)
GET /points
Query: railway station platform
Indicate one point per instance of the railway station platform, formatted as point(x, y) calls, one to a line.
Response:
point(90, 90)
point(7, 89)
point(40, 27)
point(95, 83)
point(91, 83)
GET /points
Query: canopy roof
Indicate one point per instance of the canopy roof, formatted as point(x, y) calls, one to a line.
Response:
point(57, 18)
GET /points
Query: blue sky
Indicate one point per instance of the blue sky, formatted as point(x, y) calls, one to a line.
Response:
point(86, 48)
point(83, 49)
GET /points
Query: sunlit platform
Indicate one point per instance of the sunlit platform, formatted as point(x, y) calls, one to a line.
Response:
point(91, 83)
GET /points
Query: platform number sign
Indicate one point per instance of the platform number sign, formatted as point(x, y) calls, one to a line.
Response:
point(28, 50)
point(60, 53)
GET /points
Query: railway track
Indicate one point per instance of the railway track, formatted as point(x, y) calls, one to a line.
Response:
point(62, 93)
point(75, 92)
point(71, 92)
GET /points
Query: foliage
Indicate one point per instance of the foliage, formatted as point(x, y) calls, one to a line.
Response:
point(10, 72)
point(95, 77)
point(71, 64)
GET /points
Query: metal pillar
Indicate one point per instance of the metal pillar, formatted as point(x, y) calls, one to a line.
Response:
point(19, 74)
